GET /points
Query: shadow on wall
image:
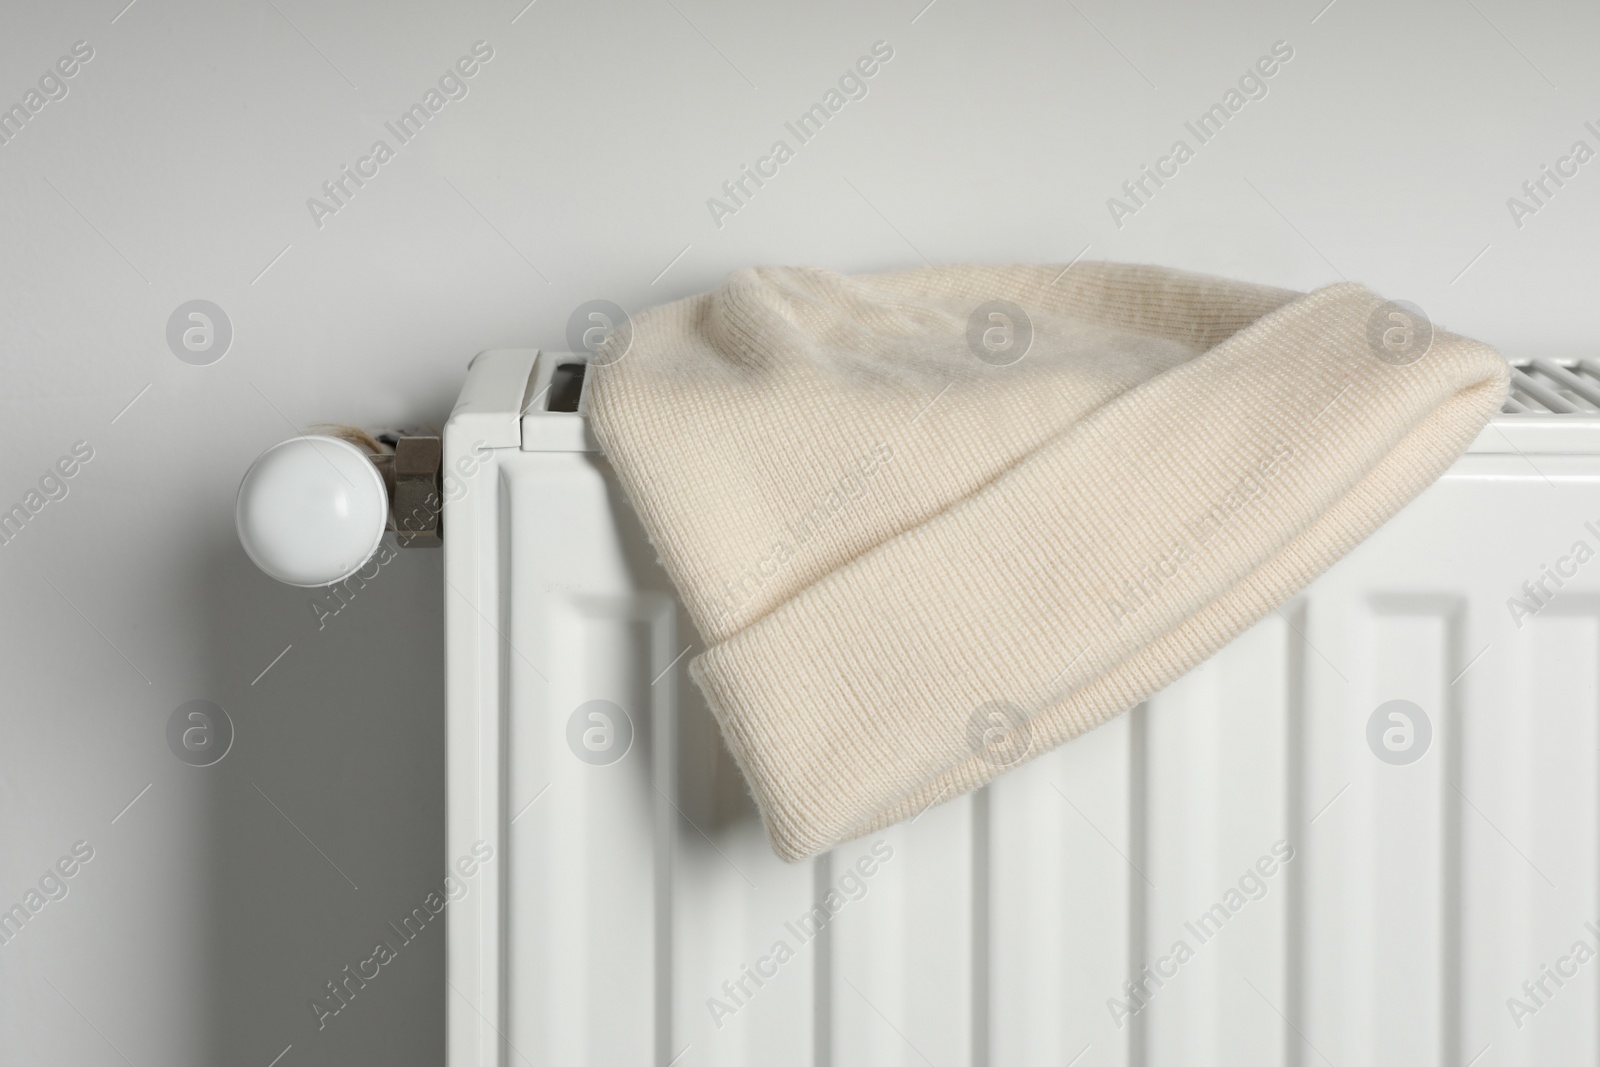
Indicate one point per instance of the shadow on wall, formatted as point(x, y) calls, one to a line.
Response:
point(326, 816)
point(323, 824)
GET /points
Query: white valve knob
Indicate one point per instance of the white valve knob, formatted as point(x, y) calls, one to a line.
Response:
point(311, 510)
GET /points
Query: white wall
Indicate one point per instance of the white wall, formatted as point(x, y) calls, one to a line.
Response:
point(178, 167)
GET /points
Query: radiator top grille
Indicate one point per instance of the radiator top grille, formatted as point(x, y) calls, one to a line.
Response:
point(1551, 387)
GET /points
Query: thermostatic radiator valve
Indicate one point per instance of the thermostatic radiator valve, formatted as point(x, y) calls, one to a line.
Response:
point(313, 509)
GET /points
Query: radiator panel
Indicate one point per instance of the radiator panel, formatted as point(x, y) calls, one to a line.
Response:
point(1341, 894)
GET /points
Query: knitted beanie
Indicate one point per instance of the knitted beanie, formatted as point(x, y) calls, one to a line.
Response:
point(932, 523)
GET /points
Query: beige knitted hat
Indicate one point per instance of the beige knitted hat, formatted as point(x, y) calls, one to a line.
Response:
point(932, 523)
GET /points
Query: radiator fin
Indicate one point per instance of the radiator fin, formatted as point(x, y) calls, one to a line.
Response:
point(1551, 387)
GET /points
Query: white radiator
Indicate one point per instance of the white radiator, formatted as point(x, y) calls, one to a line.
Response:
point(1364, 833)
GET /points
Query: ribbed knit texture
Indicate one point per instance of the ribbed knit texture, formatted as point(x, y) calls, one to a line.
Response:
point(883, 537)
